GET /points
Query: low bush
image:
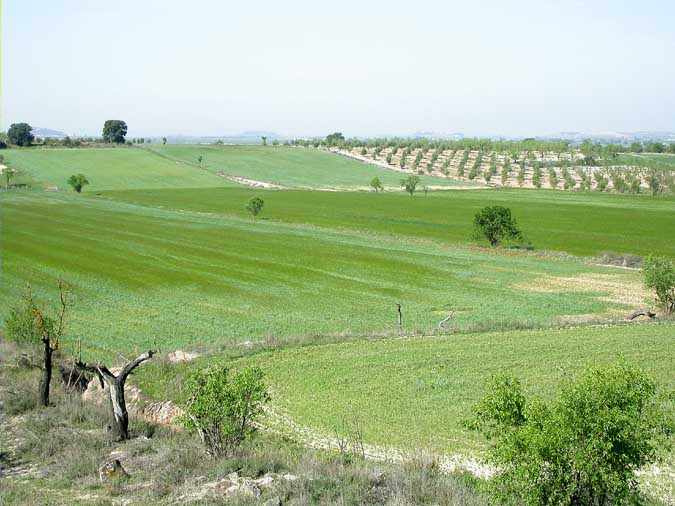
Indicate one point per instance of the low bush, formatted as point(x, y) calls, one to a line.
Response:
point(582, 448)
point(222, 408)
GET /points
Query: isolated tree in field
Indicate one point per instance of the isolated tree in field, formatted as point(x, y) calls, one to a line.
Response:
point(20, 134)
point(29, 325)
point(163, 140)
point(119, 416)
point(583, 447)
point(222, 408)
point(9, 174)
point(200, 159)
point(255, 207)
point(496, 224)
point(659, 275)
point(114, 130)
point(264, 140)
point(376, 184)
point(78, 181)
point(410, 183)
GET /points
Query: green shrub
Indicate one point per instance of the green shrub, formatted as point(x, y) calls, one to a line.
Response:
point(222, 408)
point(21, 326)
point(659, 275)
point(582, 448)
point(495, 223)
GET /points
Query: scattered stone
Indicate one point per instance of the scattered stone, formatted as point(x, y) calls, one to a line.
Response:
point(179, 356)
point(112, 471)
point(244, 488)
point(289, 477)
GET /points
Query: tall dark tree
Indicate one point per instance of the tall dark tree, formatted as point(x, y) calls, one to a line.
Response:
point(114, 130)
point(20, 134)
point(335, 138)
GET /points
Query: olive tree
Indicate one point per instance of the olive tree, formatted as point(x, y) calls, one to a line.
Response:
point(496, 224)
point(583, 447)
point(376, 184)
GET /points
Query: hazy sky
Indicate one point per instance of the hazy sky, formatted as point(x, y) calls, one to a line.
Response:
point(211, 67)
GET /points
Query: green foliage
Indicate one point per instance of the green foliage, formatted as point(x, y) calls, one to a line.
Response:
point(582, 448)
point(496, 224)
point(114, 130)
point(659, 275)
point(410, 183)
point(335, 139)
point(21, 326)
point(20, 134)
point(255, 206)
point(552, 178)
point(376, 184)
point(222, 408)
point(536, 175)
point(78, 181)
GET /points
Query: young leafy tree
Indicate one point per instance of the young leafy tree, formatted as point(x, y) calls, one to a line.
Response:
point(376, 184)
point(222, 408)
point(255, 207)
point(9, 174)
point(78, 181)
point(659, 275)
point(163, 140)
point(200, 159)
point(28, 324)
point(114, 130)
point(552, 178)
point(264, 140)
point(582, 448)
point(20, 134)
point(496, 224)
point(410, 183)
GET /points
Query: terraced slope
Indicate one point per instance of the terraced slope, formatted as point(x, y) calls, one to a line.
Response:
point(288, 167)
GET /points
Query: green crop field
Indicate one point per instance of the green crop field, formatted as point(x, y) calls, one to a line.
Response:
point(159, 256)
point(289, 167)
point(142, 274)
point(109, 168)
point(577, 223)
point(416, 392)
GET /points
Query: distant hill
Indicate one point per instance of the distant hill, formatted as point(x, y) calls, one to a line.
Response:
point(48, 133)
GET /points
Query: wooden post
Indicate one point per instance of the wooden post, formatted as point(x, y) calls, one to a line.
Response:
point(400, 319)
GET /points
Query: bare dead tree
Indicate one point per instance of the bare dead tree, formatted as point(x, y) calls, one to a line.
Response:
point(119, 415)
point(50, 334)
point(641, 312)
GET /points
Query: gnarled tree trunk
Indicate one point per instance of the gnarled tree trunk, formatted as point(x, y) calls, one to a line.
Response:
point(119, 416)
point(46, 379)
